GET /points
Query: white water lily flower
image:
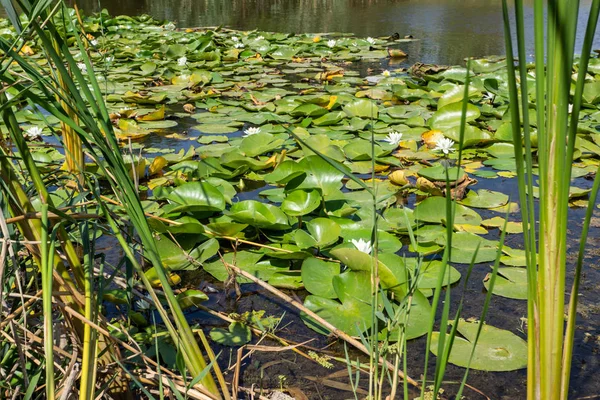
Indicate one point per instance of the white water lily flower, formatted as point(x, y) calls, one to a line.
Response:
point(170, 26)
point(142, 304)
point(82, 67)
point(385, 73)
point(393, 138)
point(239, 45)
point(362, 245)
point(182, 61)
point(444, 145)
point(35, 132)
point(371, 40)
point(109, 59)
point(331, 43)
point(235, 39)
point(251, 131)
point(260, 38)
point(94, 43)
point(488, 96)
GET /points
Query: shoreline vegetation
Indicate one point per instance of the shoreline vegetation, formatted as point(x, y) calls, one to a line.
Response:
point(376, 201)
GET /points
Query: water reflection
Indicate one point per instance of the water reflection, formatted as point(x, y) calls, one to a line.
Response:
point(449, 30)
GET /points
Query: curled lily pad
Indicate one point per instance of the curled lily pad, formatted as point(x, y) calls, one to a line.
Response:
point(196, 196)
point(450, 115)
point(301, 202)
point(455, 94)
point(260, 143)
point(258, 214)
point(496, 349)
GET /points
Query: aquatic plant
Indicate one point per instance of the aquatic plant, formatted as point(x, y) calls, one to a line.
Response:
point(550, 344)
point(388, 162)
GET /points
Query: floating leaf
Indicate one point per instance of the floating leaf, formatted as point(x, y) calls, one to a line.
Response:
point(362, 108)
point(484, 198)
point(510, 282)
point(196, 196)
point(496, 349)
point(260, 215)
point(450, 115)
point(301, 202)
point(317, 277)
point(433, 209)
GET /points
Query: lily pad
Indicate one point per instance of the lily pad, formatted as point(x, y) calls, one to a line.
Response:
point(450, 116)
point(433, 210)
point(496, 349)
point(258, 214)
point(301, 202)
point(196, 196)
point(510, 282)
point(317, 277)
point(484, 198)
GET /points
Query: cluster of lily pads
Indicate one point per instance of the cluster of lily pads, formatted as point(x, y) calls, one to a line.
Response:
point(257, 109)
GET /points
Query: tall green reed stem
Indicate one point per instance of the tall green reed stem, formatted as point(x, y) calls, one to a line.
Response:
point(550, 345)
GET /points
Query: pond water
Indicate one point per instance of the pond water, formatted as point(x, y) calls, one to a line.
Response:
point(448, 30)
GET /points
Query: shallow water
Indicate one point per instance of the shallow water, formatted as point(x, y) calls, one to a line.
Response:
point(447, 31)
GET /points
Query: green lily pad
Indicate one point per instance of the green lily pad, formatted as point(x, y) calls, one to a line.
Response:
point(215, 128)
point(484, 198)
point(331, 118)
point(455, 94)
point(323, 232)
point(464, 246)
point(496, 349)
point(433, 210)
point(499, 222)
point(301, 202)
point(362, 108)
point(510, 282)
point(196, 196)
point(450, 116)
point(260, 143)
point(258, 214)
point(429, 272)
point(438, 173)
point(317, 277)
point(352, 317)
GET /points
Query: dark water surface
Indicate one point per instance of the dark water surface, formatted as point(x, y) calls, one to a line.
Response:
point(448, 30)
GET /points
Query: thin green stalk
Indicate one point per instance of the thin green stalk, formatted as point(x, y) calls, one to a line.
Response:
point(47, 269)
point(572, 313)
point(89, 354)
